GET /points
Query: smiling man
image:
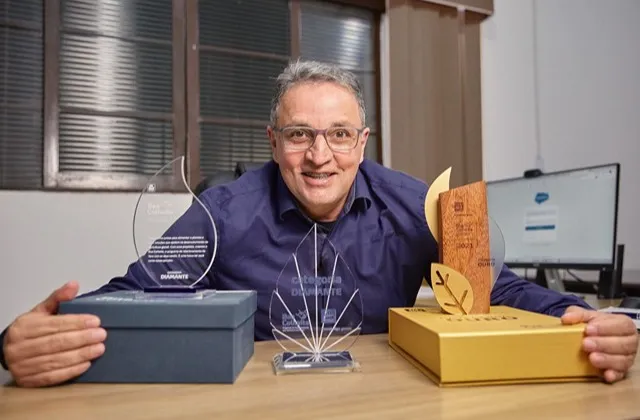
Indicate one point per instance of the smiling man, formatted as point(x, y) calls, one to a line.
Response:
point(372, 214)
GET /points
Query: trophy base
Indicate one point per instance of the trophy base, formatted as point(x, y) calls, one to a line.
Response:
point(172, 292)
point(184, 341)
point(305, 362)
point(505, 346)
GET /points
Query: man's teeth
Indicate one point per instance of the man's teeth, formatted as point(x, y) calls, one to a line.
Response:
point(317, 175)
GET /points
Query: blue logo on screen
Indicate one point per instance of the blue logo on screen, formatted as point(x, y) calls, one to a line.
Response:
point(542, 197)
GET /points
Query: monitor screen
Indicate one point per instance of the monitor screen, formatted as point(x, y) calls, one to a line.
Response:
point(564, 219)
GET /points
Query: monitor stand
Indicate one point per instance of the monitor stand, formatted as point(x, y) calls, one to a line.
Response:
point(610, 281)
point(550, 278)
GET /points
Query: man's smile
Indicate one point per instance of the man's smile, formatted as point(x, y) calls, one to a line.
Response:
point(318, 178)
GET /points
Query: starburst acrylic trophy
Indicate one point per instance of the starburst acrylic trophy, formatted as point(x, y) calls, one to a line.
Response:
point(316, 309)
point(175, 262)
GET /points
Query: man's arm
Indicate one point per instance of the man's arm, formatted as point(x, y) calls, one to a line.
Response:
point(136, 278)
point(511, 290)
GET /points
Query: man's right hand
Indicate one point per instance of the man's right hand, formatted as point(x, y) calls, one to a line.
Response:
point(42, 348)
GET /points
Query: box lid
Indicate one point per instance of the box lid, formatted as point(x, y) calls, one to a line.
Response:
point(134, 309)
point(500, 320)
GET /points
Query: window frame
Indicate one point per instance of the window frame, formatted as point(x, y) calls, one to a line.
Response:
point(185, 115)
point(53, 179)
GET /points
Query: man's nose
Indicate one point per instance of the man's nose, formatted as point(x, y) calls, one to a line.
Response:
point(319, 152)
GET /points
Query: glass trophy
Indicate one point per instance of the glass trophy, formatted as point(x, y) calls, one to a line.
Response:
point(176, 261)
point(316, 310)
point(498, 249)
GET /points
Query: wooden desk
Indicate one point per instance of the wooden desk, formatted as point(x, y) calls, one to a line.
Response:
point(387, 387)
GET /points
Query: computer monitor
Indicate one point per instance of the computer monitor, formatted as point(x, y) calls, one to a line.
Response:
point(562, 220)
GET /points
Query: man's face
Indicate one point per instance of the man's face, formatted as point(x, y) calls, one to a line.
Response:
point(318, 177)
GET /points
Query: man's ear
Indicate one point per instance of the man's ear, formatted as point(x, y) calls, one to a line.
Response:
point(363, 142)
point(272, 141)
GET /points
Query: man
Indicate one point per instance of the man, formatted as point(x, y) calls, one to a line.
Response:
point(373, 215)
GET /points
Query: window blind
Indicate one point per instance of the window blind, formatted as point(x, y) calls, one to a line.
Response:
point(115, 86)
point(21, 90)
point(244, 45)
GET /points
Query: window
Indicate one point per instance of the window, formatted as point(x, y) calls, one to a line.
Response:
point(115, 92)
point(243, 46)
point(101, 94)
point(21, 87)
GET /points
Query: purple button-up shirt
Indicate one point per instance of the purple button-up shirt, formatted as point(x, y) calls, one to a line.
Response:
point(381, 236)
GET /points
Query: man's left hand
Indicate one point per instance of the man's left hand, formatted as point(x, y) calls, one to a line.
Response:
point(611, 340)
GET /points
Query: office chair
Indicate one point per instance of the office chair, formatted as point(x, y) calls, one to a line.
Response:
point(222, 177)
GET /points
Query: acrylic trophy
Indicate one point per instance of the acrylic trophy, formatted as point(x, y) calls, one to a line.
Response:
point(471, 245)
point(316, 310)
point(175, 261)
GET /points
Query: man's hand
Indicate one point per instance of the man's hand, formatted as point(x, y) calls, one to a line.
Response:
point(611, 340)
point(42, 348)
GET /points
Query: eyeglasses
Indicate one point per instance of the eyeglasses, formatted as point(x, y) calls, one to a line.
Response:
point(339, 139)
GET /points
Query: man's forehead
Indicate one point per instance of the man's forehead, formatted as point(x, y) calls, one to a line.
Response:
point(311, 92)
point(303, 121)
point(311, 100)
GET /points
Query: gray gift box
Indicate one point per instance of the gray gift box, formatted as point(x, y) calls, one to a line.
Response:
point(165, 338)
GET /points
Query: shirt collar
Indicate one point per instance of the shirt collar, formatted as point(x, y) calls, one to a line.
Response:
point(359, 196)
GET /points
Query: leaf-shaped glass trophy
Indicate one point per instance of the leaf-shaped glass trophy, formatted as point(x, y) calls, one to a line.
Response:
point(472, 247)
point(316, 309)
point(176, 260)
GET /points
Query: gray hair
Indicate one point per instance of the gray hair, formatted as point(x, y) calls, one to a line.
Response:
point(301, 71)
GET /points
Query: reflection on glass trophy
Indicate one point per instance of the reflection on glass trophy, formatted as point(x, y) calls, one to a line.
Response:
point(316, 309)
point(471, 244)
point(176, 262)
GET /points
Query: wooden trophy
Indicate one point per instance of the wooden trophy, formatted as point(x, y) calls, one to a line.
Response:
point(468, 341)
point(459, 221)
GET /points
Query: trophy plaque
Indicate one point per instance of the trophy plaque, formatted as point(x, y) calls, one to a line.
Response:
point(175, 262)
point(316, 310)
point(471, 246)
point(466, 340)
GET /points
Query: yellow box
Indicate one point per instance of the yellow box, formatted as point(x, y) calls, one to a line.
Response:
point(506, 346)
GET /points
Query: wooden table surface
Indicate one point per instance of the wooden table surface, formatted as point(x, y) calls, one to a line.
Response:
point(386, 387)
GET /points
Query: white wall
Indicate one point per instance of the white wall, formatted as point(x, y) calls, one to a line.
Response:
point(49, 238)
point(562, 76)
point(508, 90)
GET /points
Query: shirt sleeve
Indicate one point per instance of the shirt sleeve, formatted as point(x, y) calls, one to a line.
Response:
point(511, 290)
point(514, 291)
